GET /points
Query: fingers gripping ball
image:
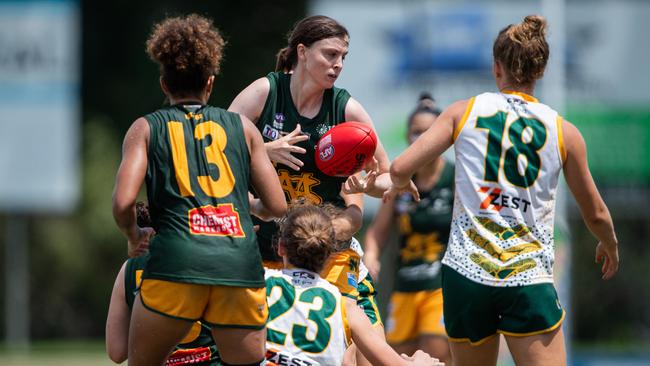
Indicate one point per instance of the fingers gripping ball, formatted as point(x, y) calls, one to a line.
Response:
point(345, 149)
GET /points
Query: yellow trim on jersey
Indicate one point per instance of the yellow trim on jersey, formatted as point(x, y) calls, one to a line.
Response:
point(346, 323)
point(477, 343)
point(547, 330)
point(560, 139)
point(468, 110)
point(138, 277)
point(526, 97)
point(272, 264)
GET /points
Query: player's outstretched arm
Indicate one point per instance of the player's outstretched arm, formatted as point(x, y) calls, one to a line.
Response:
point(375, 238)
point(117, 321)
point(263, 176)
point(128, 181)
point(592, 207)
point(374, 348)
point(349, 222)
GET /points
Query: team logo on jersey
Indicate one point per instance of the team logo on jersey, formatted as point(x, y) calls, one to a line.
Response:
point(270, 133)
point(299, 185)
point(352, 280)
point(278, 121)
point(222, 220)
point(302, 278)
point(189, 356)
point(496, 200)
point(285, 358)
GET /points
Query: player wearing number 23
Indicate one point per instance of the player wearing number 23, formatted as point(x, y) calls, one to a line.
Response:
point(510, 148)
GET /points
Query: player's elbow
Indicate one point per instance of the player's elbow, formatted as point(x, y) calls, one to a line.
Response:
point(398, 171)
point(278, 209)
point(598, 217)
point(117, 354)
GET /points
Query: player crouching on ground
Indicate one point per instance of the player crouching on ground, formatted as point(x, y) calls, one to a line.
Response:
point(309, 323)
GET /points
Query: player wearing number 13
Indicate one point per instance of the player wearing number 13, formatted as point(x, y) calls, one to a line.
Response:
point(198, 162)
point(510, 149)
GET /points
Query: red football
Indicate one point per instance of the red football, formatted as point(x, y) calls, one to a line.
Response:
point(345, 149)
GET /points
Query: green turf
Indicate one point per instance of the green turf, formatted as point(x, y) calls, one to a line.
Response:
point(69, 353)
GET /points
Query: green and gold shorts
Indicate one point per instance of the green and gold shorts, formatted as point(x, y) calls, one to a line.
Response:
point(474, 312)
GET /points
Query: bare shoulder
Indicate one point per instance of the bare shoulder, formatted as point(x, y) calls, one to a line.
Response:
point(354, 111)
point(459, 107)
point(139, 130)
point(572, 135)
point(251, 100)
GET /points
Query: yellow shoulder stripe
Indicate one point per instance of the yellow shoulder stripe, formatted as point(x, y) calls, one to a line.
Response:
point(560, 139)
point(468, 110)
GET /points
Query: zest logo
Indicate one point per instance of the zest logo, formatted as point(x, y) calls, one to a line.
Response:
point(489, 203)
point(496, 200)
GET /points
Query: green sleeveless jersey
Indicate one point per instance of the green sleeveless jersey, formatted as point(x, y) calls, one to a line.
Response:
point(197, 185)
point(423, 234)
point(279, 117)
point(198, 347)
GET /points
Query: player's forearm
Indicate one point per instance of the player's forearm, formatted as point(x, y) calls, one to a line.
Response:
point(372, 246)
point(400, 176)
point(601, 226)
point(348, 223)
point(125, 216)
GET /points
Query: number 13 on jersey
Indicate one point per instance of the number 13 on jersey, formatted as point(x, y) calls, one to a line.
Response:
point(214, 154)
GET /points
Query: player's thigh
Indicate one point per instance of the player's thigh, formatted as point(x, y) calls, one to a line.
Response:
point(152, 336)
point(484, 353)
point(546, 349)
point(238, 318)
point(430, 313)
point(240, 345)
point(435, 345)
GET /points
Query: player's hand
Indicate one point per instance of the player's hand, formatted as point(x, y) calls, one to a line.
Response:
point(393, 192)
point(138, 243)
point(608, 254)
point(422, 358)
point(365, 184)
point(280, 150)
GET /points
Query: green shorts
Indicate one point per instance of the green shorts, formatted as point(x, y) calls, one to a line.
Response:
point(474, 312)
point(367, 301)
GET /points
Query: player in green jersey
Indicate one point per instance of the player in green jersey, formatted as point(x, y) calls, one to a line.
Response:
point(292, 108)
point(415, 310)
point(197, 348)
point(198, 162)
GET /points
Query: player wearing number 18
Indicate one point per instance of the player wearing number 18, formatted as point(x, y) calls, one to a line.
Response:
point(198, 162)
point(510, 149)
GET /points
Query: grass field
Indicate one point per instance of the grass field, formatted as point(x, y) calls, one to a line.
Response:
point(86, 353)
